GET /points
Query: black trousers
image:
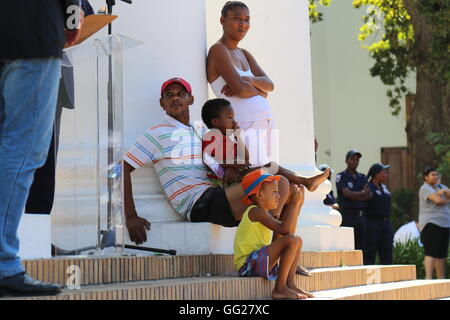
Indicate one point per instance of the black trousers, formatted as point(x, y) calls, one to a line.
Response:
point(380, 241)
point(42, 191)
point(356, 220)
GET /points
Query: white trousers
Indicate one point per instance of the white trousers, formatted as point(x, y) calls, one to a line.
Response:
point(259, 137)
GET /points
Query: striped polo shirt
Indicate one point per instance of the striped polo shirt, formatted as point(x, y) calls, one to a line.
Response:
point(175, 150)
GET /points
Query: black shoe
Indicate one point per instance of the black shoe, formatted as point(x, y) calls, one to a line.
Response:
point(22, 285)
point(303, 272)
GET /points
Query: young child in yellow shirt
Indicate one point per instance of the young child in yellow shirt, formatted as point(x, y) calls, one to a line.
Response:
point(254, 252)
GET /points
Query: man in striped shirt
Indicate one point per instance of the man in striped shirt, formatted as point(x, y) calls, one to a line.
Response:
point(174, 147)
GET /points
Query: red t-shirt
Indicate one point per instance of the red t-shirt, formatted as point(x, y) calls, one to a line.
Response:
point(229, 148)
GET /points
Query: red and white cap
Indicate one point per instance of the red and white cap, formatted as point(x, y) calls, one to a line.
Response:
point(181, 81)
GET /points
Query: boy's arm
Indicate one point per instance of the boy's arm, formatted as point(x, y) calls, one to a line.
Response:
point(259, 215)
point(290, 215)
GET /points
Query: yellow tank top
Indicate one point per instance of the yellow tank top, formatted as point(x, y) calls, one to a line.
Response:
point(250, 236)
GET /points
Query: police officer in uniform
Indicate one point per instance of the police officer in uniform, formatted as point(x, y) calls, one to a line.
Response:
point(353, 193)
point(378, 212)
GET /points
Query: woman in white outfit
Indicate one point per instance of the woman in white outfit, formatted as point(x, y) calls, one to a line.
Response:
point(235, 75)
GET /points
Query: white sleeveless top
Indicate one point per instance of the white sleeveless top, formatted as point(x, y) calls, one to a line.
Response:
point(250, 109)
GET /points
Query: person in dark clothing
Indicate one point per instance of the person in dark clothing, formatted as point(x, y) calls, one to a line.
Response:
point(380, 236)
point(42, 191)
point(353, 193)
point(30, 67)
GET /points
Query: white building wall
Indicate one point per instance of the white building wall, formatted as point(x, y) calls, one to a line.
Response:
point(350, 107)
point(174, 38)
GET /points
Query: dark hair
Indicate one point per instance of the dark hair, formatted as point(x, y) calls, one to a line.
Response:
point(212, 108)
point(427, 171)
point(230, 5)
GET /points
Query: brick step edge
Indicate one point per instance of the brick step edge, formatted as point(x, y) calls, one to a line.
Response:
point(235, 288)
point(99, 270)
point(407, 290)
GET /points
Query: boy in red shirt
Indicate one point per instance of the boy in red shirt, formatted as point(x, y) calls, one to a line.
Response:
point(223, 142)
point(223, 145)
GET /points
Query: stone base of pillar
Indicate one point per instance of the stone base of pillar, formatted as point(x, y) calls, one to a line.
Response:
point(35, 236)
point(325, 238)
point(188, 238)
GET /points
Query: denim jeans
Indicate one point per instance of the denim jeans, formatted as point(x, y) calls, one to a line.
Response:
point(28, 92)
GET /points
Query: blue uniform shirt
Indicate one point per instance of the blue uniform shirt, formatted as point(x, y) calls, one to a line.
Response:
point(380, 205)
point(345, 180)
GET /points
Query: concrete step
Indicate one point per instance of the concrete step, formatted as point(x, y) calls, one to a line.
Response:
point(236, 288)
point(185, 237)
point(101, 270)
point(194, 238)
point(406, 290)
point(189, 238)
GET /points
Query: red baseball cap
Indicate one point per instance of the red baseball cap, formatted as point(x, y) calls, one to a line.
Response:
point(252, 182)
point(181, 81)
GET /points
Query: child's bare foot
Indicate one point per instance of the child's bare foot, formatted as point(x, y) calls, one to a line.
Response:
point(312, 183)
point(286, 293)
point(301, 291)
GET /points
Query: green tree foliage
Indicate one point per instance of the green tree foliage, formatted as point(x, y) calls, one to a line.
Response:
point(396, 53)
point(393, 53)
point(405, 36)
point(441, 146)
point(314, 14)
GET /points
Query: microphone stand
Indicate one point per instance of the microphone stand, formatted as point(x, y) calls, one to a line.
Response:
point(110, 4)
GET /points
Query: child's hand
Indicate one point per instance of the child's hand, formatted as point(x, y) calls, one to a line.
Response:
point(297, 194)
point(231, 175)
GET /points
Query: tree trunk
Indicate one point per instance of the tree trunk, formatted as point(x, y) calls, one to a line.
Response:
point(431, 111)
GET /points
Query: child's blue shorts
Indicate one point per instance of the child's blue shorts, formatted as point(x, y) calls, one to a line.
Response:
point(257, 265)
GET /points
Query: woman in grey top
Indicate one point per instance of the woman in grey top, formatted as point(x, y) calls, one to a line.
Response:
point(434, 223)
